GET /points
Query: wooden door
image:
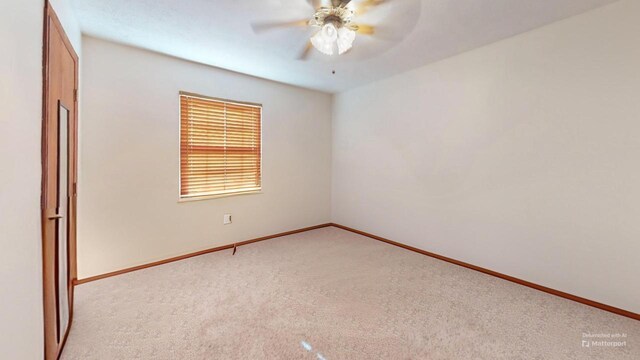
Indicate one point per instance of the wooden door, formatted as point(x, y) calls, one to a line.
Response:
point(59, 182)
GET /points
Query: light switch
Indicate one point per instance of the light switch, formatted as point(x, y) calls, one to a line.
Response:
point(227, 219)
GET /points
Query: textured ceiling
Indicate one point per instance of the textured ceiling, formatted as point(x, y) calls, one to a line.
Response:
point(411, 33)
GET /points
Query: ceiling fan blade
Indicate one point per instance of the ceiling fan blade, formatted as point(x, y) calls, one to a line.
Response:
point(364, 6)
point(305, 52)
point(337, 3)
point(365, 29)
point(316, 4)
point(260, 27)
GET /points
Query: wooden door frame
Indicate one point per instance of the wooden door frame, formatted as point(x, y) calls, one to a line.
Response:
point(52, 20)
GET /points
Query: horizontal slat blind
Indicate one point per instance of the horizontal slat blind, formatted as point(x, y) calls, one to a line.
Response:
point(220, 150)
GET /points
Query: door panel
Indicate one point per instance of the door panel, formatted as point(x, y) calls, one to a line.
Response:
point(59, 180)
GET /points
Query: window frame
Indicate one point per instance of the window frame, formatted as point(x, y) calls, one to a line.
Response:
point(187, 198)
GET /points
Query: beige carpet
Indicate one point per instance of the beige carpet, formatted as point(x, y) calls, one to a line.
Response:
point(330, 294)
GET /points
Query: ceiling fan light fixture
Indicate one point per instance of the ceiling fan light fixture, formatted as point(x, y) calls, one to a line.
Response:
point(336, 29)
point(345, 39)
point(325, 39)
point(330, 36)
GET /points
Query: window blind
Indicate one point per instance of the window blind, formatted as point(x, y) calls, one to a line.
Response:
point(220, 147)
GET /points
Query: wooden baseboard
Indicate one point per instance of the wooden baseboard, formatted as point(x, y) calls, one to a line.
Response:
point(561, 294)
point(202, 252)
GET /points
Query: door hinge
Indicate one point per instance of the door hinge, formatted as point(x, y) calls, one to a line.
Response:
point(75, 95)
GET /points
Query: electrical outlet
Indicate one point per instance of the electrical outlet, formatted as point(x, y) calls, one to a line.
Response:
point(227, 219)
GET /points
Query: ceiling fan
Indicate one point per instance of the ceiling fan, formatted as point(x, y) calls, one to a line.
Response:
point(333, 25)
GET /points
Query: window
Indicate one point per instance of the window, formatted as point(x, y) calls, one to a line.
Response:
point(220, 147)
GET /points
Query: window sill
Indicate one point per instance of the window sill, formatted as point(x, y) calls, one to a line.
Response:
point(217, 196)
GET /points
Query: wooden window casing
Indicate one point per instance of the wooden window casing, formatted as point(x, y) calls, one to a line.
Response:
point(220, 147)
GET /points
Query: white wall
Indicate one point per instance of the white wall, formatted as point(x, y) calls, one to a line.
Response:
point(128, 186)
point(521, 157)
point(21, 325)
point(68, 19)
